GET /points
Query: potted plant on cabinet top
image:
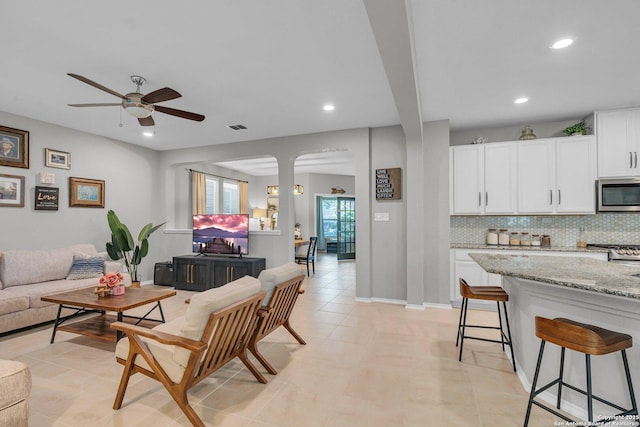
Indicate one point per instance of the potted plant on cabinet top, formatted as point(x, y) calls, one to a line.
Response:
point(123, 247)
point(579, 128)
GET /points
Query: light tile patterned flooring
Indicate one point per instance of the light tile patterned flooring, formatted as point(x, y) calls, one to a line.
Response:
point(364, 365)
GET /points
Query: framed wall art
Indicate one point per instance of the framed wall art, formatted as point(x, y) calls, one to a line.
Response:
point(84, 192)
point(46, 199)
point(57, 159)
point(14, 147)
point(12, 190)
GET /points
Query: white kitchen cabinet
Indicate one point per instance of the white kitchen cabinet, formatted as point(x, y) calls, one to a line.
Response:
point(618, 143)
point(535, 177)
point(463, 266)
point(499, 178)
point(575, 175)
point(466, 179)
point(557, 176)
point(482, 179)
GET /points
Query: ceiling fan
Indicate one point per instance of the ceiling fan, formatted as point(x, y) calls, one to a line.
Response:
point(138, 104)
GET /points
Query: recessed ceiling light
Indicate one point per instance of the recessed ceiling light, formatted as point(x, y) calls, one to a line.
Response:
point(148, 133)
point(328, 107)
point(521, 100)
point(561, 44)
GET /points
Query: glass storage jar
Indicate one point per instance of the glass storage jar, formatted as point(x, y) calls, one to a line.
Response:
point(492, 236)
point(503, 237)
point(514, 239)
point(525, 240)
point(535, 240)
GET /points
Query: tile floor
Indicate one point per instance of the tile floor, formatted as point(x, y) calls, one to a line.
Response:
point(364, 365)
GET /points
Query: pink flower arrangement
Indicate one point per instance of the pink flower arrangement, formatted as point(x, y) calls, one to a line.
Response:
point(111, 279)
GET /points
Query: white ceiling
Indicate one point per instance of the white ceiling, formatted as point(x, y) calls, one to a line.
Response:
point(271, 65)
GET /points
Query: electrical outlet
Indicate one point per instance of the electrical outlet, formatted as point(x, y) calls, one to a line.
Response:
point(381, 216)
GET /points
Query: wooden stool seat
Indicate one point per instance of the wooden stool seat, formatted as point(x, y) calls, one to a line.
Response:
point(591, 341)
point(581, 337)
point(486, 293)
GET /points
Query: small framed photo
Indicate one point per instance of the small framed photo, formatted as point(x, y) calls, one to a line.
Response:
point(57, 159)
point(14, 147)
point(84, 192)
point(12, 191)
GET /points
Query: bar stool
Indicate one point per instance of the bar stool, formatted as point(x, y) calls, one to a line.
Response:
point(487, 293)
point(587, 339)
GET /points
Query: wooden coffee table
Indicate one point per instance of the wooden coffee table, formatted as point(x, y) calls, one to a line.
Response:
point(86, 301)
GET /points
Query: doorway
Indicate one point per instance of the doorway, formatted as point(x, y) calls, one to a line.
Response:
point(336, 226)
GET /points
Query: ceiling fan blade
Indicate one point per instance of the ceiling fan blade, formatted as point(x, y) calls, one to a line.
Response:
point(94, 84)
point(179, 113)
point(111, 104)
point(146, 121)
point(164, 94)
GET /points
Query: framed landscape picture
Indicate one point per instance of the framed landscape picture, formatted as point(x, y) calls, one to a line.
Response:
point(84, 192)
point(57, 159)
point(14, 147)
point(12, 190)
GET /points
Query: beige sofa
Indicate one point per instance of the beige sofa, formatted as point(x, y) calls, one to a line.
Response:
point(27, 275)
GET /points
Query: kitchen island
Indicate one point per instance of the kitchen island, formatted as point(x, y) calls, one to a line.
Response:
point(585, 290)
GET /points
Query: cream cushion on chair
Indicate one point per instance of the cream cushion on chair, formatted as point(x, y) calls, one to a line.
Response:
point(272, 277)
point(174, 359)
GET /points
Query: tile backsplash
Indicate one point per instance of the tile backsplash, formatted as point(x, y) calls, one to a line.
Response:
point(616, 228)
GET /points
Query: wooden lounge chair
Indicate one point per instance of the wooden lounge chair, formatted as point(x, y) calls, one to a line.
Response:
point(181, 353)
point(275, 314)
point(282, 285)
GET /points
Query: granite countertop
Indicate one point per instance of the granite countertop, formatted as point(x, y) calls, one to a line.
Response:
point(526, 248)
point(574, 272)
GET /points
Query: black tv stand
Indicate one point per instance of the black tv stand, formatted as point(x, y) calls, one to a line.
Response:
point(202, 271)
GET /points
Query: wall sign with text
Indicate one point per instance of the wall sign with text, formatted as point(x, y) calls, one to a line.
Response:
point(46, 199)
point(388, 184)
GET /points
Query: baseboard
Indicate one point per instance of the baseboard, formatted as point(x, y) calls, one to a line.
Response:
point(388, 300)
point(360, 299)
point(414, 306)
point(437, 305)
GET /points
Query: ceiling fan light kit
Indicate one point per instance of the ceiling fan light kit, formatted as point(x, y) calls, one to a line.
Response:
point(139, 105)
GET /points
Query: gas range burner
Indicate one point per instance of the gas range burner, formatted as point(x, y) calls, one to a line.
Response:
point(621, 252)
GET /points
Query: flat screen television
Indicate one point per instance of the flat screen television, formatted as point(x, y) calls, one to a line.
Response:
point(221, 234)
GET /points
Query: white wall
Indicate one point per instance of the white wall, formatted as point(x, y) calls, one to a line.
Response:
point(512, 133)
point(285, 150)
point(388, 238)
point(131, 189)
point(144, 186)
point(437, 235)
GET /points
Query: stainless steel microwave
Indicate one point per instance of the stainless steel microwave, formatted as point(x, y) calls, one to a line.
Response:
point(618, 195)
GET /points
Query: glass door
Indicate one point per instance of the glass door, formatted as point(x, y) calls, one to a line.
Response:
point(346, 217)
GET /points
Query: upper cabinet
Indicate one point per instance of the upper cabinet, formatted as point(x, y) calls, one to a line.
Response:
point(536, 176)
point(575, 174)
point(545, 176)
point(482, 179)
point(618, 143)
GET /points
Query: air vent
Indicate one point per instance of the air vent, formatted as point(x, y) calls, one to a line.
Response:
point(237, 127)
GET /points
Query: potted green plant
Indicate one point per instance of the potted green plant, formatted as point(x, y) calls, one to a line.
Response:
point(122, 246)
point(579, 128)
